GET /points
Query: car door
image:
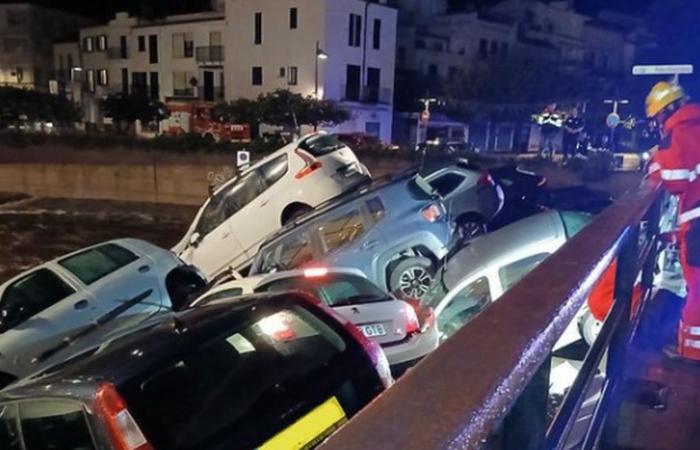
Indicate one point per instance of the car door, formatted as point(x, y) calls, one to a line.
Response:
point(114, 275)
point(37, 310)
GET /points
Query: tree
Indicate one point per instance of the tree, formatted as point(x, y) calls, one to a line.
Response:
point(36, 106)
point(127, 109)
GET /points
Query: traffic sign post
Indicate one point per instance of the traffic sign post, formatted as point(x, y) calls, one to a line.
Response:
point(613, 120)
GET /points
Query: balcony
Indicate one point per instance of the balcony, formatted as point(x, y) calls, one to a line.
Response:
point(210, 55)
point(117, 53)
point(370, 94)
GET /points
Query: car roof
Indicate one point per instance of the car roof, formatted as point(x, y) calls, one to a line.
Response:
point(483, 251)
point(141, 349)
point(343, 199)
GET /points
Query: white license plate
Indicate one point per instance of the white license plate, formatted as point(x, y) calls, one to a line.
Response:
point(373, 330)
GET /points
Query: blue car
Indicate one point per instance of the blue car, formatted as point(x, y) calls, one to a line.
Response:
point(395, 231)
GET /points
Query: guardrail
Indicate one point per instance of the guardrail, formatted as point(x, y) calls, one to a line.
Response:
point(489, 382)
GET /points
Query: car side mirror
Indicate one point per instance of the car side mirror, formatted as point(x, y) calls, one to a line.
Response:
point(195, 239)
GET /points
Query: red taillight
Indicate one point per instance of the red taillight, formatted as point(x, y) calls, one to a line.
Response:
point(425, 315)
point(432, 213)
point(412, 324)
point(311, 164)
point(485, 179)
point(123, 431)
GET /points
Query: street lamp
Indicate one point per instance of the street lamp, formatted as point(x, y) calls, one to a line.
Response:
point(320, 55)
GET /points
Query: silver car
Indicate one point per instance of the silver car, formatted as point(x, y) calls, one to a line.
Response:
point(404, 329)
point(490, 265)
point(57, 299)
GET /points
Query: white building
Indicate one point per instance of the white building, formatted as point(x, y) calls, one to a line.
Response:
point(276, 44)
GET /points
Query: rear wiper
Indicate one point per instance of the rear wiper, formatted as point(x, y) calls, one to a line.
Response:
point(100, 322)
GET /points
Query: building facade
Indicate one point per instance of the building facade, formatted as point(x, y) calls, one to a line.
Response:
point(27, 35)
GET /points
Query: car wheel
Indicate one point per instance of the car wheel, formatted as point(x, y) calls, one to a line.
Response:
point(295, 214)
point(590, 328)
point(470, 227)
point(412, 277)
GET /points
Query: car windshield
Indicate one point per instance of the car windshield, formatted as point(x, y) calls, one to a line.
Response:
point(332, 289)
point(259, 373)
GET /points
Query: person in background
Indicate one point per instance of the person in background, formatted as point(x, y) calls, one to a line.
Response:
point(550, 122)
point(573, 127)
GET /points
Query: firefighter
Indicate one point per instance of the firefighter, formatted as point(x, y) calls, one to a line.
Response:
point(550, 122)
point(677, 165)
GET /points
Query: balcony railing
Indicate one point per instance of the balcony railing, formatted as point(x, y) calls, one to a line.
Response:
point(118, 53)
point(370, 94)
point(210, 55)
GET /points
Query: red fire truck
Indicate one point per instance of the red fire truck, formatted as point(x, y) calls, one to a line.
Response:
point(196, 117)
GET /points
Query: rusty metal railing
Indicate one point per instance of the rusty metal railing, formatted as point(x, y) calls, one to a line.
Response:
point(487, 385)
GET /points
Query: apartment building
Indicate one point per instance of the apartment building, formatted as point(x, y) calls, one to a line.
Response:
point(339, 50)
point(27, 35)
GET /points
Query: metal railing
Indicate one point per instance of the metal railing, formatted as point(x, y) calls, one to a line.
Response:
point(488, 384)
point(210, 55)
point(370, 94)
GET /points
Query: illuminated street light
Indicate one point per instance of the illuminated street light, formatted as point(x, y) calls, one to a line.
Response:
point(320, 55)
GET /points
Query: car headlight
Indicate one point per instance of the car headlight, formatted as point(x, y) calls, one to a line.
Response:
point(646, 156)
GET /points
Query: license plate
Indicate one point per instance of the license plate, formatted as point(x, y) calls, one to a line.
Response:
point(373, 330)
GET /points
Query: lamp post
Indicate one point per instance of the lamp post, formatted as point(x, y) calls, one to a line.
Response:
point(613, 119)
point(320, 55)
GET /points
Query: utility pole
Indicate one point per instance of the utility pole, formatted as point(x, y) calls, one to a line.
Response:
point(423, 120)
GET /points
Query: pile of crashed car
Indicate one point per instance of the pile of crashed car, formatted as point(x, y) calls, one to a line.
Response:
point(301, 289)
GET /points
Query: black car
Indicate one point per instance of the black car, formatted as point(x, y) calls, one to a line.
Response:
point(249, 374)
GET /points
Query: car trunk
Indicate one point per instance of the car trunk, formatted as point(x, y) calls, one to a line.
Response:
point(383, 322)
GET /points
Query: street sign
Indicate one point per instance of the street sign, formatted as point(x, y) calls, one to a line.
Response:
point(425, 116)
point(672, 69)
point(613, 120)
point(242, 159)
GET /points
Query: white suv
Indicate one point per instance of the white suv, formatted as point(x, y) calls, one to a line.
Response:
point(233, 222)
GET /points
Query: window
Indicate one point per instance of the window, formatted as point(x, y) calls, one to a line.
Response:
point(31, 295)
point(373, 83)
point(89, 44)
point(142, 43)
point(125, 80)
point(340, 231)
point(432, 70)
point(139, 83)
point(183, 45)
point(102, 43)
point(289, 253)
point(153, 49)
point(55, 424)
point(229, 201)
point(293, 18)
point(332, 289)
point(516, 271)
point(103, 78)
point(258, 28)
point(292, 75)
point(274, 170)
point(355, 30)
point(181, 84)
point(352, 87)
point(287, 360)
point(447, 183)
point(494, 47)
point(377, 34)
point(9, 429)
point(154, 86)
point(96, 263)
point(504, 49)
point(16, 18)
point(483, 49)
point(464, 306)
point(257, 76)
point(283, 72)
point(91, 81)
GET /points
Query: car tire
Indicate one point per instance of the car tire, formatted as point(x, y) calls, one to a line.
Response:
point(589, 328)
point(469, 227)
point(295, 214)
point(412, 277)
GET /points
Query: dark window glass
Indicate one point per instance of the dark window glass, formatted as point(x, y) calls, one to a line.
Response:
point(125, 80)
point(227, 202)
point(352, 87)
point(142, 43)
point(30, 295)
point(55, 425)
point(483, 49)
point(339, 231)
point(293, 18)
point(333, 290)
point(257, 76)
point(258, 28)
point(373, 82)
point(321, 144)
point(377, 34)
point(261, 373)
point(355, 30)
point(154, 86)
point(293, 76)
point(123, 48)
point(139, 83)
point(515, 272)
point(153, 49)
point(91, 265)
point(447, 183)
point(494, 47)
point(274, 170)
point(9, 429)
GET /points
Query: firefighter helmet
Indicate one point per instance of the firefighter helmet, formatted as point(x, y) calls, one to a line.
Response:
point(661, 96)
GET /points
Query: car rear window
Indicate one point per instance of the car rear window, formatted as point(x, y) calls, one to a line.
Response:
point(96, 263)
point(333, 290)
point(54, 425)
point(261, 373)
point(321, 144)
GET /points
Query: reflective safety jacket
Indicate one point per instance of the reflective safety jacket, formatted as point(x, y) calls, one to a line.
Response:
point(677, 163)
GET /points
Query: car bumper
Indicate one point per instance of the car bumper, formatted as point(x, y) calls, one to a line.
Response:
point(413, 349)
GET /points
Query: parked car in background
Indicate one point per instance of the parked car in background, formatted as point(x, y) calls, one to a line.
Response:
point(395, 231)
point(403, 328)
point(43, 305)
point(490, 265)
point(229, 228)
point(471, 195)
point(270, 372)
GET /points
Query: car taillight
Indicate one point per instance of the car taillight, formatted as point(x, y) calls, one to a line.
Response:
point(123, 431)
point(412, 324)
point(311, 164)
point(485, 179)
point(425, 315)
point(432, 213)
point(375, 353)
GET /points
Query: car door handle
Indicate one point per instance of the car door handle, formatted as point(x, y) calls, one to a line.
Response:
point(82, 304)
point(369, 245)
point(144, 269)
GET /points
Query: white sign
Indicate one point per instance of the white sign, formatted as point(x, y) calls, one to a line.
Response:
point(53, 87)
point(242, 158)
point(678, 69)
